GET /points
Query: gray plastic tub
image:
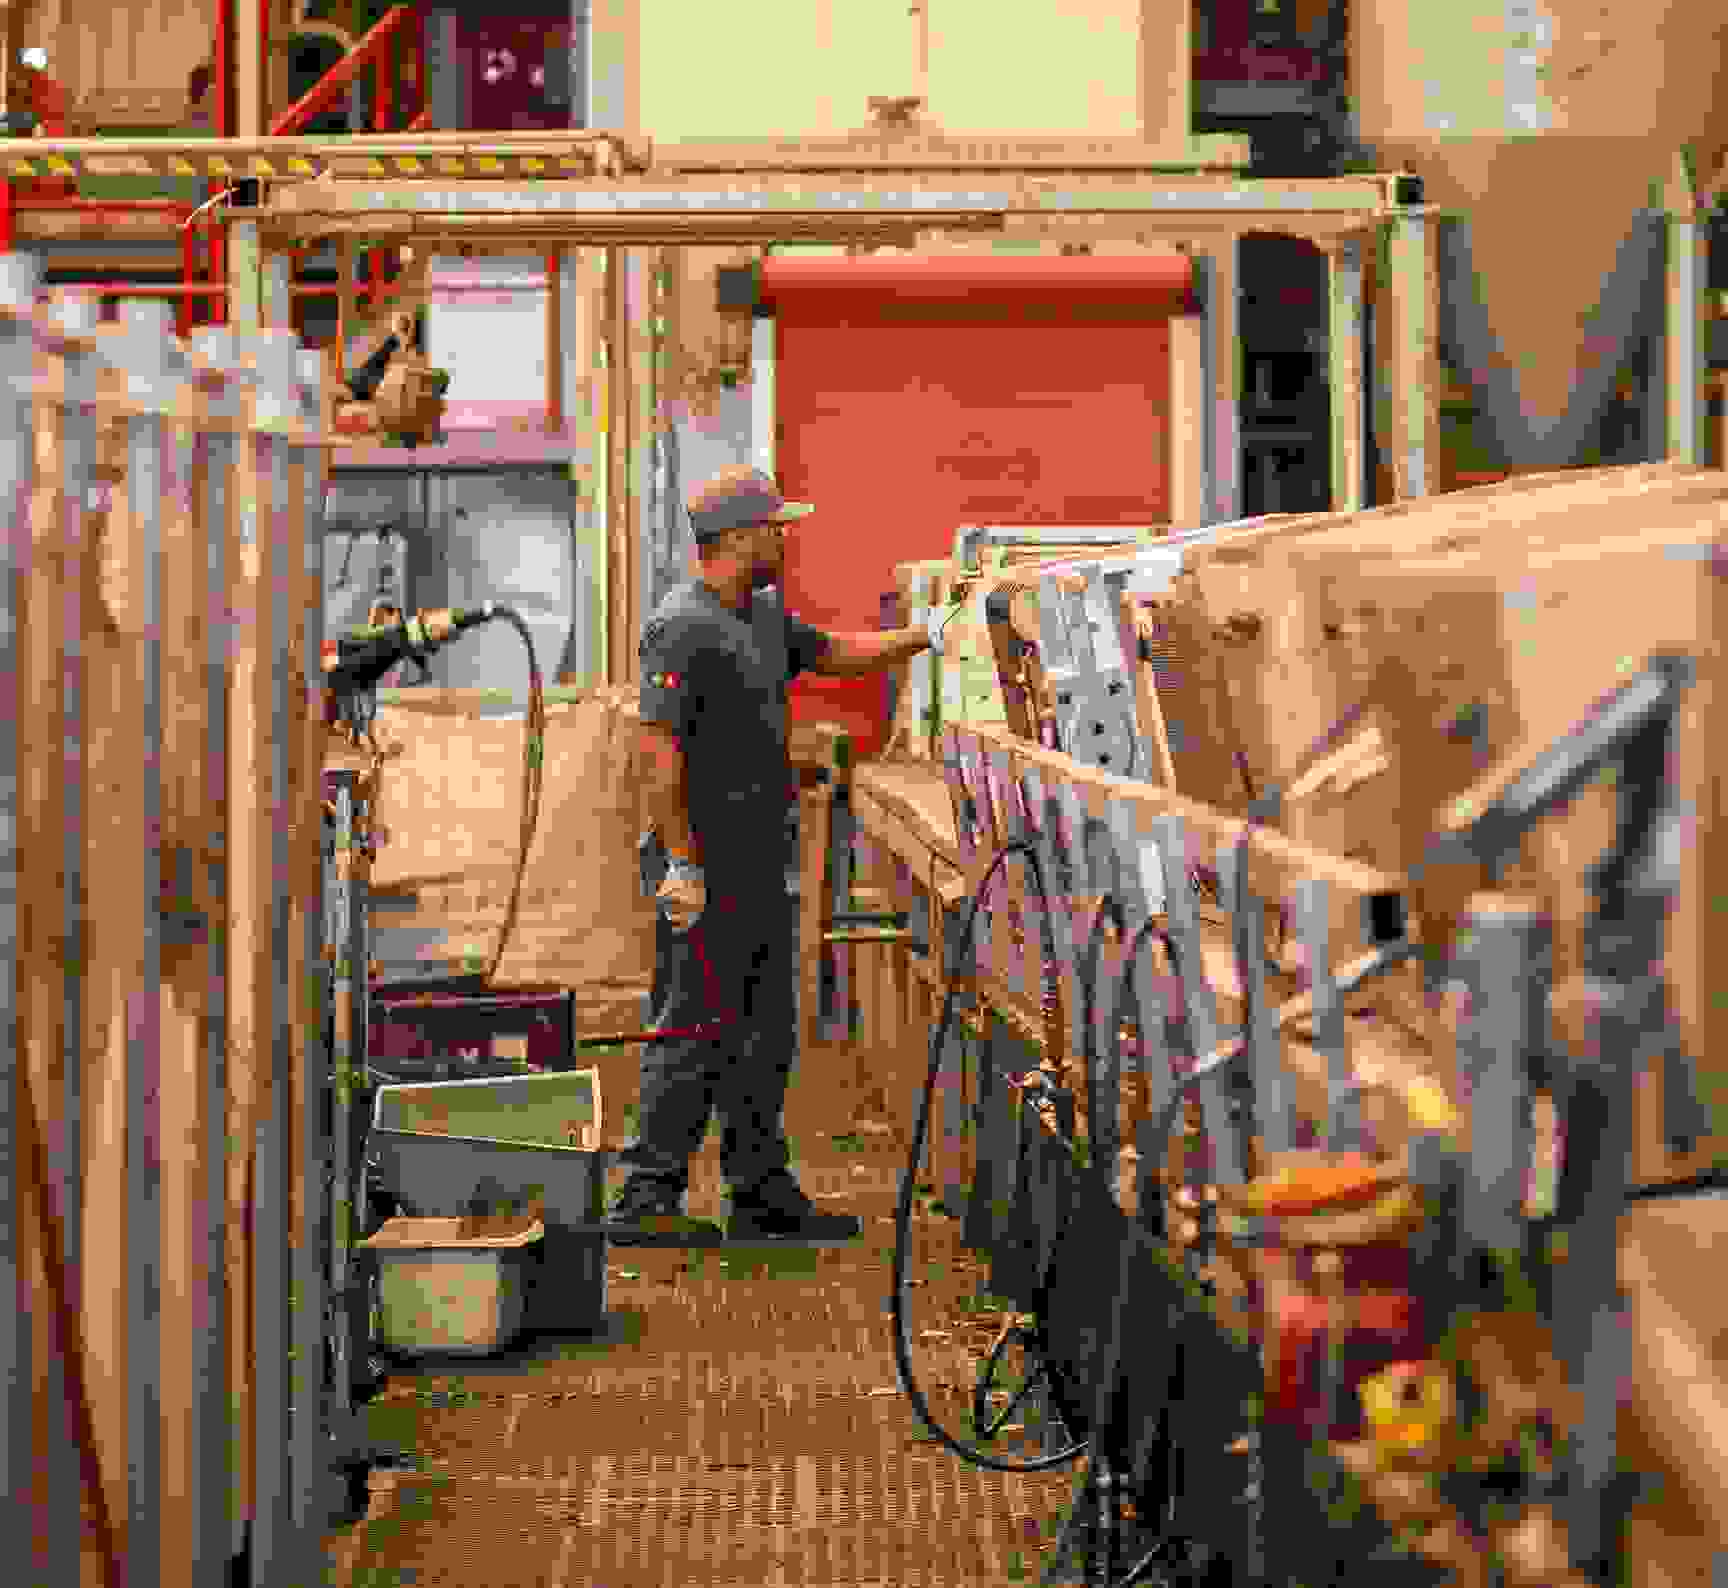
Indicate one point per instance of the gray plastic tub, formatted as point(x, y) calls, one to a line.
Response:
point(438, 1175)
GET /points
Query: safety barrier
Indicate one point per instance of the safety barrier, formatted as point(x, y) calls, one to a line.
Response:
point(166, 997)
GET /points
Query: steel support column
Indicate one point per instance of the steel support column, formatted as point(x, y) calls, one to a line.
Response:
point(1216, 273)
point(1684, 333)
point(1344, 338)
point(1187, 427)
point(275, 274)
point(245, 278)
point(589, 453)
point(1412, 346)
point(762, 342)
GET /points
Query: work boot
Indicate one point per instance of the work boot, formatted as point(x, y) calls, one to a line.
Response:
point(777, 1210)
point(648, 1214)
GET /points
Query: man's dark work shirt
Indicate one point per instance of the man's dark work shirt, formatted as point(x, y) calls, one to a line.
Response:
point(717, 678)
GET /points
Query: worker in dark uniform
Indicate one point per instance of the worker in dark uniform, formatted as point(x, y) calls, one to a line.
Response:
point(716, 656)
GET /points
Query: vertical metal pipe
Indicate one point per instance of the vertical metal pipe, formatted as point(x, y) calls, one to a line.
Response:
point(555, 339)
point(580, 61)
point(219, 1435)
point(1412, 347)
point(384, 84)
point(144, 1148)
point(275, 303)
point(264, 106)
point(1344, 355)
point(1503, 965)
point(18, 1371)
point(1217, 271)
point(446, 79)
point(1186, 432)
point(1684, 337)
point(222, 107)
point(1272, 1101)
point(345, 942)
point(622, 555)
point(189, 277)
point(345, 327)
point(417, 102)
point(306, 1004)
point(222, 73)
point(245, 284)
point(262, 914)
point(763, 344)
point(47, 1155)
point(1311, 898)
point(642, 397)
point(78, 458)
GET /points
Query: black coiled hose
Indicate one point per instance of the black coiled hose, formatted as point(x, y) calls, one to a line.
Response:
point(1110, 906)
point(533, 763)
point(903, 1214)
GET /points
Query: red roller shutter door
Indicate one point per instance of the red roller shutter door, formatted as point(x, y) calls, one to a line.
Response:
point(914, 395)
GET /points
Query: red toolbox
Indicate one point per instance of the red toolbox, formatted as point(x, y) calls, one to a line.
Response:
point(454, 1035)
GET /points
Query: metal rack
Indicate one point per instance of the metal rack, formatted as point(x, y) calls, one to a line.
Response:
point(1152, 1411)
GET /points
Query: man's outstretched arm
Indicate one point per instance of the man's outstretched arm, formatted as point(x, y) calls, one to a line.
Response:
point(865, 652)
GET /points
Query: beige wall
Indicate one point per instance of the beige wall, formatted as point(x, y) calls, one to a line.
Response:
point(1423, 69)
point(1035, 67)
point(797, 67)
point(1598, 68)
point(808, 67)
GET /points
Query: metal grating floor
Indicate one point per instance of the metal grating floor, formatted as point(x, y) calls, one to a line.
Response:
point(737, 1427)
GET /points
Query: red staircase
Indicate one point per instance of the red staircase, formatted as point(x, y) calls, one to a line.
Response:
point(393, 52)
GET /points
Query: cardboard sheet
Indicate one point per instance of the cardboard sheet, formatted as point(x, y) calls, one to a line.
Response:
point(450, 805)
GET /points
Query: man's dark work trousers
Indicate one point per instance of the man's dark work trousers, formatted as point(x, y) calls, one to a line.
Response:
point(742, 1072)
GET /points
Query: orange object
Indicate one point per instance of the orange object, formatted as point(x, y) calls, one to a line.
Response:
point(1315, 1182)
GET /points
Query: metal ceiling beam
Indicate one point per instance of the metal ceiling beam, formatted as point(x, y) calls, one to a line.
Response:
point(768, 194)
point(765, 208)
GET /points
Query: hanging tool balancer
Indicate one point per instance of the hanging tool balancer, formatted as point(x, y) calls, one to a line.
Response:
point(356, 663)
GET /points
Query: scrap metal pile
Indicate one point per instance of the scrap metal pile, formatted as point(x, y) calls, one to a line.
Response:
point(1354, 1073)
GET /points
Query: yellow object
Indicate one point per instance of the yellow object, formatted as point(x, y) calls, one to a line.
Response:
point(1430, 1108)
point(1407, 1406)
